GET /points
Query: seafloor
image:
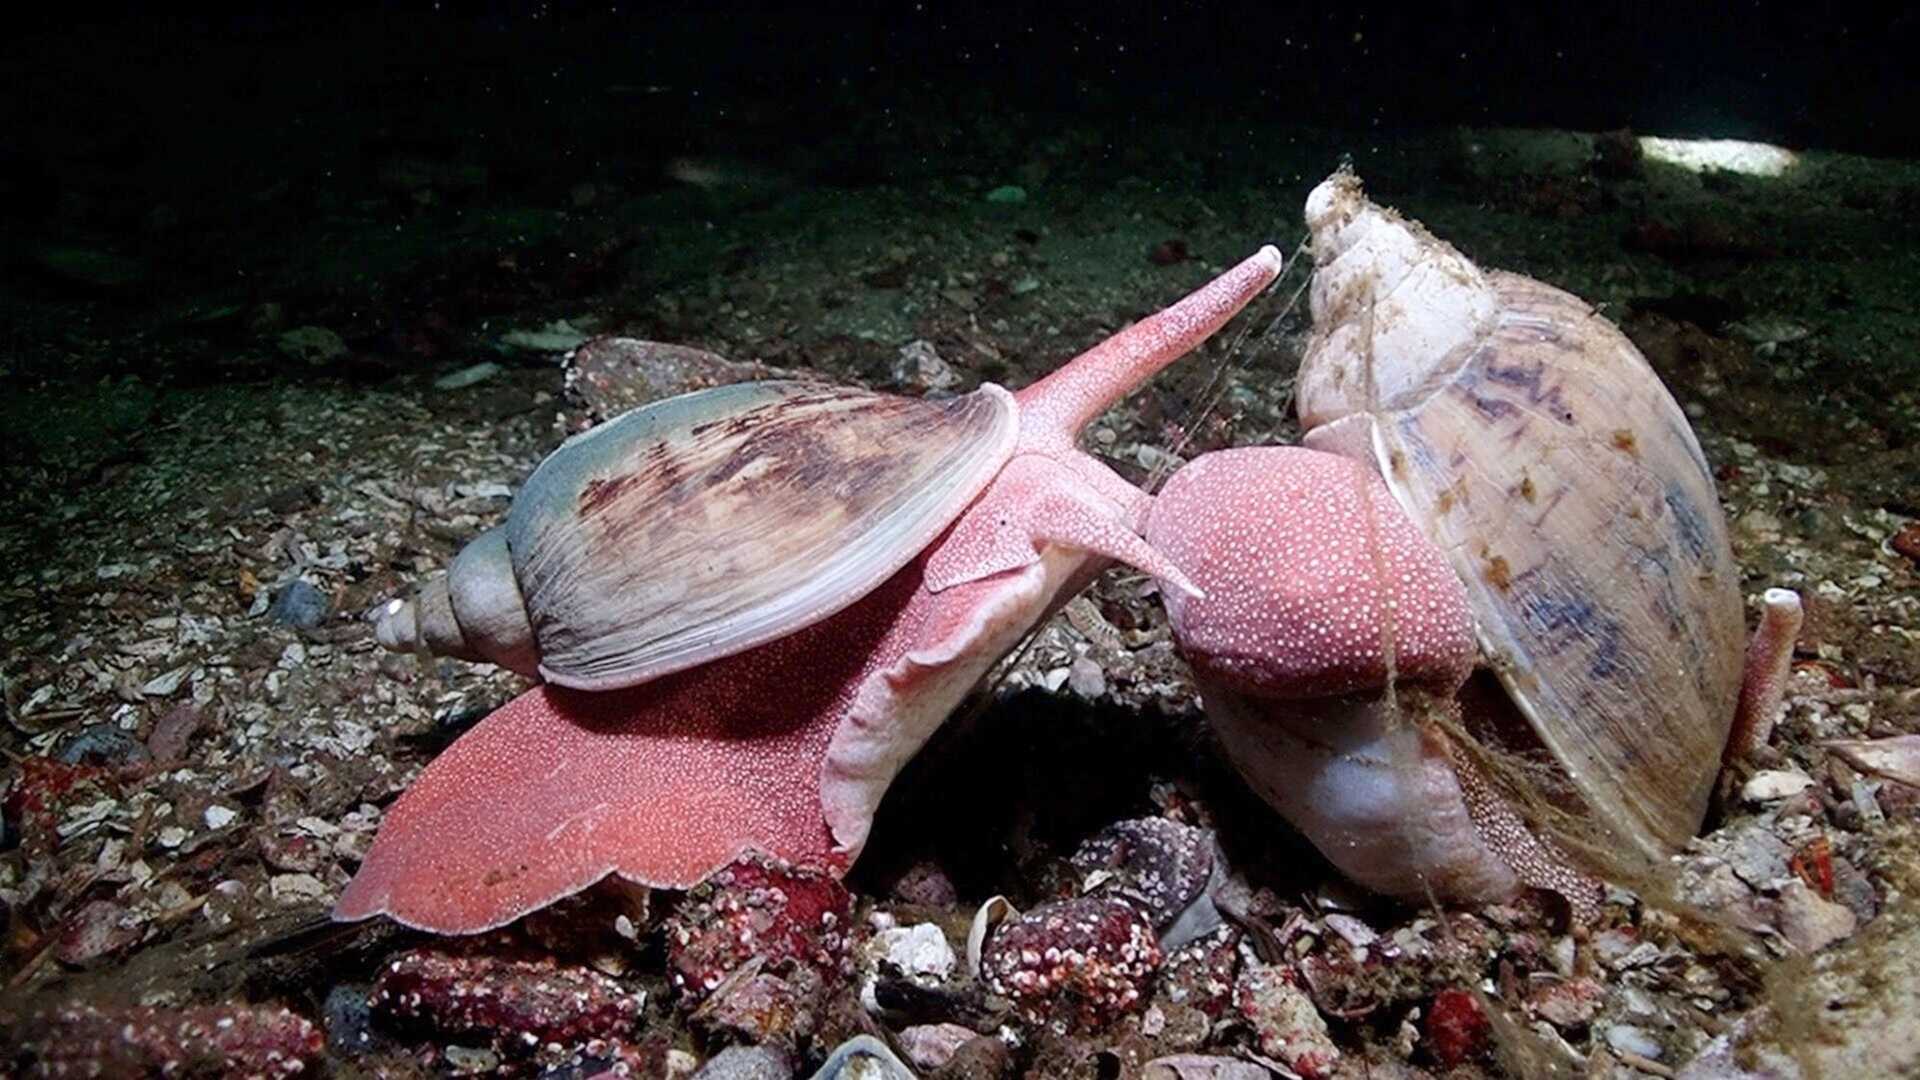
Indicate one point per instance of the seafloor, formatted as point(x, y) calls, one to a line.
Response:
point(230, 432)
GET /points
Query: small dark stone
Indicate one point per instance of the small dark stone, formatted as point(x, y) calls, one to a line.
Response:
point(290, 500)
point(349, 1021)
point(299, 604)
point(927, 884)
point(590, 1067)
point(1169, 252)
point(102, 744)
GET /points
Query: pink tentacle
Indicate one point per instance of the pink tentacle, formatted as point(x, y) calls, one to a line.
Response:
point(1059, 405)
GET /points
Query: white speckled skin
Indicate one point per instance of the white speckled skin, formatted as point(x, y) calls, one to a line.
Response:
point(1319, 592)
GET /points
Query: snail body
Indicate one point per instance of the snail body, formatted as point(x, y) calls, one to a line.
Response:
point(750, 606)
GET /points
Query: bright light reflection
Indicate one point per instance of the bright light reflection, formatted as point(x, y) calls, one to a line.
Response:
point(1733, 155)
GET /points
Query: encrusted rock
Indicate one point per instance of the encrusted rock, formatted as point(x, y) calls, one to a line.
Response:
point(982, 1058)
point(1771, 785)
point(919, 367)
point(753, 1005)
point(518, 1004)
point(925, 883)
point(1809, 922)
point(1202, 1067)
point(1567, 1003)
point(218, 1041)
point(753, 909)
point(919, 952)
point(1286, 1026)
point(746, 1063)
point(1200, 974)
point(1156, 863)
point(1075, 965)
point(607, 376)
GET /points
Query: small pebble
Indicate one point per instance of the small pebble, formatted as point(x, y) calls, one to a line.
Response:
point(1771, 785)
point(746, 1063)
point(1086, 679)
point(929, 1046)
point(299, 604)
point(102, 744)
point(1811, 923)
point(1627, 1039)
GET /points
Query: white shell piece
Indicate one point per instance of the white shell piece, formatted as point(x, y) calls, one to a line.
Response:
point(986, 917)
point(1534, 445)
point(706, 524)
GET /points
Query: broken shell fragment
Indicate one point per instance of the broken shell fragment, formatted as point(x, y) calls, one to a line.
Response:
point(1894, 758)
point(865, 1057)
point(996, 910)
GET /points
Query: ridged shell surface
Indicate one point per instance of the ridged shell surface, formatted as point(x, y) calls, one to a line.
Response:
point(706, 524)
point(1537, 448)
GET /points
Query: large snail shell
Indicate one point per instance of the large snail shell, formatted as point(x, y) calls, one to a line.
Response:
point(1535, 446)
point(706, 524)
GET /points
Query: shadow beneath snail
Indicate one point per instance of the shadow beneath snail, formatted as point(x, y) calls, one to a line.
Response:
point(1003, 795)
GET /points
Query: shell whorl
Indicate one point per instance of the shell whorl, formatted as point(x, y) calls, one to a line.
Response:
point(472, 612)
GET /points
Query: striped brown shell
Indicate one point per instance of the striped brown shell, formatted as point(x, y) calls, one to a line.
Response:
point(1532, 442)
point(706, 524)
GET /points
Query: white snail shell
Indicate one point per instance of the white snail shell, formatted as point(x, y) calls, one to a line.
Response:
point(789, 500)
point(1532, 443)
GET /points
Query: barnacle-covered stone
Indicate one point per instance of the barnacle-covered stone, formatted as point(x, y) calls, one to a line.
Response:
point(213, 1042)
point(1075, 965)
point(755, 909)
point(1200, 974)
point(1156, 863)
point(521, 1005)
point(608, 376)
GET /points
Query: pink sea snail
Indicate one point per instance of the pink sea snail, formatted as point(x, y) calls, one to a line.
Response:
point(750, 606)
point(1493, 481)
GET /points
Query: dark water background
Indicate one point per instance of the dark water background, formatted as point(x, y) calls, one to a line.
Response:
point(209, 179)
